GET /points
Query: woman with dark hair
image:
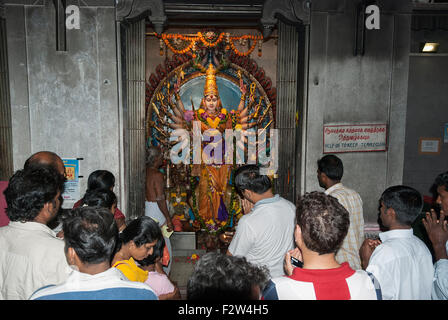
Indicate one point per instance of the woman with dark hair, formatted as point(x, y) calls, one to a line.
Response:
point(103, 198)
point(136, 242)
point(157, 278)
point(103, 179)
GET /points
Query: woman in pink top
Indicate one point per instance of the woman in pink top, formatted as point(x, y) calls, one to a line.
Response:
point(157, 279)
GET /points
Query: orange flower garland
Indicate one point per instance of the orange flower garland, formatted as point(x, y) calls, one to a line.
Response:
point(213, 44)
point(166, 38)
point(200, 36)
point(252, 47)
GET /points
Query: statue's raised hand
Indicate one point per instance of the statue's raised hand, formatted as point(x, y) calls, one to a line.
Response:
point(243, 88)
point(177, 85)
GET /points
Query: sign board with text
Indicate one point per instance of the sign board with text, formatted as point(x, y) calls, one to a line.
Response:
point(340, 138)
point(71, 192)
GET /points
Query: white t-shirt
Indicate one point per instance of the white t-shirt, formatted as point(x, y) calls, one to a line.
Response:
point(403, 266)
point(265, 234)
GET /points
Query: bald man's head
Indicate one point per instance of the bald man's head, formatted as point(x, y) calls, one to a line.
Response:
point(46, 158)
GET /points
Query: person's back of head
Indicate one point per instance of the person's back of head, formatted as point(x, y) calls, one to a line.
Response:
point(45, 158)
point(92, 233)
point(100, 179)
point(30, 189)
point(218, 275)
point(141, 230)
point(248, 177)
point(323, 221)
point(406, 201)
point(157, 253)
point(332, 166)
point(105, 198)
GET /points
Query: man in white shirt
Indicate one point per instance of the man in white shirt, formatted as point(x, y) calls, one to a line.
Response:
point(31, 255)
point(330, 170)
point(400, 261)
point(266, 232)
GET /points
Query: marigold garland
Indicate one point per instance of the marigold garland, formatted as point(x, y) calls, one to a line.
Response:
point(213, 44)
point(200, 37)
point(248, 52)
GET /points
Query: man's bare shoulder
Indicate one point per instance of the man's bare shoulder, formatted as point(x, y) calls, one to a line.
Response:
point(153, 173)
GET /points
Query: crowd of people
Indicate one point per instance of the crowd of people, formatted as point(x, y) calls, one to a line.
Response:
point(312, 249)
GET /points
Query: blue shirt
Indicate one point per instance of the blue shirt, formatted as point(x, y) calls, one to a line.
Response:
point(108, 285)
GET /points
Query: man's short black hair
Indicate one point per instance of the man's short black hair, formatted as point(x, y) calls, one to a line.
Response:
point(323, 220)
point(248, 177)
point(217, 275)
point(332, 166)
point(442, 180)
point(406, 202)
point(92, 233)
point(29, 189)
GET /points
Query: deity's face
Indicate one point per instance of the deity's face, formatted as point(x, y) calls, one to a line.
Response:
point(211, 103)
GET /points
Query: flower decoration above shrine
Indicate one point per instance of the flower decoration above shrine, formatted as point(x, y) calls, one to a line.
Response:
point(180, 44)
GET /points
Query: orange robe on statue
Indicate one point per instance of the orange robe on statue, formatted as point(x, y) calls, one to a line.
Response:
point(213, 181)
point(212, 184)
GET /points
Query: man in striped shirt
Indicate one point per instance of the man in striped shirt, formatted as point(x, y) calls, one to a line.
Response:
point(329, 173)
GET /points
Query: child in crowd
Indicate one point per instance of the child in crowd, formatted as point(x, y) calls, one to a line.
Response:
point(157, 279)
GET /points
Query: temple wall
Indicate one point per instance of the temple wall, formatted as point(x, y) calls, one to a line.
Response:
point(66, 102)
point(427, 112)
point(343, 88)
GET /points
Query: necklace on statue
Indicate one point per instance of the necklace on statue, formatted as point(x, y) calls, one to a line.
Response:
point(218, 119)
